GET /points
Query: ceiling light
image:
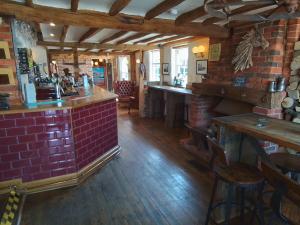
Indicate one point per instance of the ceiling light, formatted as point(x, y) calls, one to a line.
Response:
point(52, 35)
point(52, 24)
point(138, 61)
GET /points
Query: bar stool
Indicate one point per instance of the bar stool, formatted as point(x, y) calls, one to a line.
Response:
point(236, 175)
point(285, 188)
point(287, 162)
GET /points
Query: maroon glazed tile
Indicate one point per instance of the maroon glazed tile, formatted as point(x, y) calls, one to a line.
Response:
point(10, 157)
point(8, 141)
point(58, 172)
point(25, 122)
point(41, 175)
point(5, 166)
point(51, 112)
point(12, 173)
point(29, 154)
point(49, 166)
point(18, 147)
point(40, 144)
point(31, 170)
point(57, 158)
point(46, 135)
point(13, 116)
point(34, 114)
point(15, 131)
point(55, 142)
point(44, 120)
point(35, 129)
point(22, 163)
point(7, 123)
point(27, 138)
point(2, 132)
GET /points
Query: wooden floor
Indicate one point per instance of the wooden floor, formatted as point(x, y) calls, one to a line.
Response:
point(153, 181)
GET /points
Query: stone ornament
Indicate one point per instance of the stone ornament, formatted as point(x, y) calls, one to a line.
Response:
point(243, 54)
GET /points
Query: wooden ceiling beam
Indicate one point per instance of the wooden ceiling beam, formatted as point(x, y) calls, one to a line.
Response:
point(181, 41)
point(132, 37)
point(161, 8)
point(74, 5)
point(167, 39)
point(150, 39)
point(190, 16)
point(64, 33)
point(42, 14)
point(94, 45)
point(29, 3)
point(237, 11)
point(117, 6)
point(91, 32)
point(100, 53)
point(113, 37)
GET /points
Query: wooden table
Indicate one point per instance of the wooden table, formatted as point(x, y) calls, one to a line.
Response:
point(281, 132)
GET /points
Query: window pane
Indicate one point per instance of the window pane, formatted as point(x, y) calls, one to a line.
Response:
point(123, 68)
point(181, 65)
point(154, 58)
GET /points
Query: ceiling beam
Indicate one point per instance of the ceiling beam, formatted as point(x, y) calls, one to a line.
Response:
point(117, 6)
point(161, 8)
point(132, 37)
point(100, 53)
point(95, 45)
point(113, 37)
point(74, 5)
point(64, 33)
point(42, 14)
point(182, 41)
point(166, 40)
point(150, 39)
point(29, 3)
point(241, 10)
point(91, 32)
point(38, 30)
point(190, 16)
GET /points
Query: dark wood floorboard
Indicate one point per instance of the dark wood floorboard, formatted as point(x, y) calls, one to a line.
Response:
point(151, 182)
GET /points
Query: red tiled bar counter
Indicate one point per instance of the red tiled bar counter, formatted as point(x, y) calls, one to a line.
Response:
point(51, 147)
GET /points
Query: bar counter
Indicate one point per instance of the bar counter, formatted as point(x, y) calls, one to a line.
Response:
point(53, 146)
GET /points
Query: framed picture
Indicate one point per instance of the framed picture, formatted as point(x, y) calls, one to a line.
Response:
point(165, 69)
point(201, 67)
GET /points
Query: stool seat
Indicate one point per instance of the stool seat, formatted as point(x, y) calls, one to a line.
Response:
point(286, 161)
point(240, 174)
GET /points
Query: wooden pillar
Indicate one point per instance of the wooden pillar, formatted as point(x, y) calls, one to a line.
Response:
point(141, 87)
point(161, 50)
point(133, 67)
point(76, 63)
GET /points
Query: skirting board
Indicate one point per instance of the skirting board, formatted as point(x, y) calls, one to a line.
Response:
point(68, 180)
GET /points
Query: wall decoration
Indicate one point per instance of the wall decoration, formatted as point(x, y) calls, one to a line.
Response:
point(214, 52)
point(4, 50)
point(7, 76)
point(201, 67)
point(240, 81)
point(165, 69)
point(243, 54)
point(24, 34)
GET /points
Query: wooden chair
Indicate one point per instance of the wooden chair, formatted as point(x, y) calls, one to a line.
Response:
point(125, 91)
point(236, 175)
point(284, 188)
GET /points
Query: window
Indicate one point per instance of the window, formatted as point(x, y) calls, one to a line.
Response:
point(154, 58)
point(123, 65)
point(180, 65)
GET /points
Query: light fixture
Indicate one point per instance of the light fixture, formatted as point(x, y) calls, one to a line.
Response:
point(52, 24)
point(52, 35)
point(92, 62)
point(199, 51)
point(101, 60)
point(96, 63)
point(53, 62)
point(138, 61)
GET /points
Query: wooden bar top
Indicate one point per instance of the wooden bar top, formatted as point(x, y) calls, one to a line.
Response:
point(281, 132)
point(86, 97)
point(173, 89)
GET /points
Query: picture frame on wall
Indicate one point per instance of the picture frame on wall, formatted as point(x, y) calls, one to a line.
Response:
point(165, 69)
point(201, 67)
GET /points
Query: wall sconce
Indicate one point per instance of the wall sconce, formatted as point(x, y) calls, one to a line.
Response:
point(53, 62)
point(101, 60)
point(199, 51)
point(138, 61)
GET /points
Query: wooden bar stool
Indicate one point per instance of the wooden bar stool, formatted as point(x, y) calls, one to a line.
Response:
point(240, 176)
point(287, 163)
point(284, 188)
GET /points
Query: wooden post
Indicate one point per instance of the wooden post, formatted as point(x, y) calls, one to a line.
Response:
point(141, 87)
point(76, 63)
point(161, 51)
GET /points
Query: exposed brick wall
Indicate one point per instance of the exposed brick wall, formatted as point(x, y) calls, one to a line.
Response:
point(95, 131)
point(40, 145)
point(268, 64)
point(66, 61)
point(6, 35)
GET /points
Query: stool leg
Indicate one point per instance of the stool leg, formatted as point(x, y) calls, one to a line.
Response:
point(242, 206)
point(212, 198)
point(260, 206)
point(228, 204)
